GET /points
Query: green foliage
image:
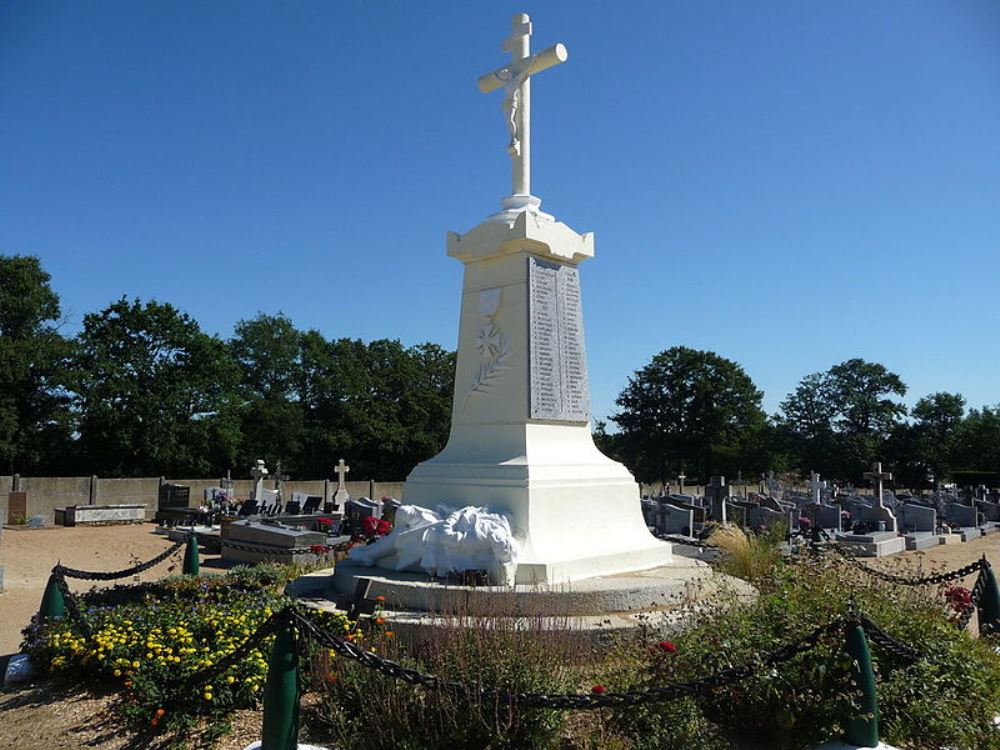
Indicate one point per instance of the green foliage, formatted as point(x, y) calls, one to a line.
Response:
point(838, 422)
point(688, 410)
point(33, 425)
point(946, 699)
point(152, 392)
point(372, 712)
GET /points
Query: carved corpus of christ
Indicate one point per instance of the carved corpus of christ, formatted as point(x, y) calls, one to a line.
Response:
point(515, 80)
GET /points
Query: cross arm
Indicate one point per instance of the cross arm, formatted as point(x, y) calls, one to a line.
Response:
point(536, 63)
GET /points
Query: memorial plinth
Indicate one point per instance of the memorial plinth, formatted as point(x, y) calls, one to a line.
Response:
point(520, 437)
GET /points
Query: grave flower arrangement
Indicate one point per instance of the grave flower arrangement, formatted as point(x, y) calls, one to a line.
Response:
point(373, 528)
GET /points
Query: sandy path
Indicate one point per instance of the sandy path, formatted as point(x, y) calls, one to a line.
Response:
point(28, 557)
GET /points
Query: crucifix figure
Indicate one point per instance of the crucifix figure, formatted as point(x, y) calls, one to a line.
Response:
point(342, 495)
point(876, 475)
point(258, 472)
point(817, 487)
point(515, 80)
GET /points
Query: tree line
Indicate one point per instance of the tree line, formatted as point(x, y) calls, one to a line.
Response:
point(141, 390)
point(697, 412)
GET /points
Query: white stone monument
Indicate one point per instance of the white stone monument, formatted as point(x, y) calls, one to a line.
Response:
point(341, 496)
point(520, 439)
point(258, 472)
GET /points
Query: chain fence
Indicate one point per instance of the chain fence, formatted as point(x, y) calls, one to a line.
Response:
point(814, 538)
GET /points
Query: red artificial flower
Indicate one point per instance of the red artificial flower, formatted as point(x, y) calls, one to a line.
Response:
point(369, 524)
point(383, 528)
point(667, 647)
point(598, 690)
point(319, 549)
point(959, 598)
point(324, 522)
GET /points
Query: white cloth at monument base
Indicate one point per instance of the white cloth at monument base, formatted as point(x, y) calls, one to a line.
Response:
point(444, 541)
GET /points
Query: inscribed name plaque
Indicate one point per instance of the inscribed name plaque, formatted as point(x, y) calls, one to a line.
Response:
point(559, 388)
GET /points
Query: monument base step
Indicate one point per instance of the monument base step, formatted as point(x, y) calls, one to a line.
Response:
point(950, 538)
point(660, 599)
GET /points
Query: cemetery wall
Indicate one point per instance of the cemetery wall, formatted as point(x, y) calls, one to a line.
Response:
point(45, 494)
point(130, 490)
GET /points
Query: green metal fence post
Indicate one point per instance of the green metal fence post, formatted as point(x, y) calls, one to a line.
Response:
point(281, 694)
point(862, 730)
point(989, 602)
point(53, 604)
point(192, 562)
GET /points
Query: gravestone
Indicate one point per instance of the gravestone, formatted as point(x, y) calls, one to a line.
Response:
point(257, 473)
point(816, 487)
point(919, 524)
point(17, 507)
point(963, 520)
point(341, 496)
point(254, 541)
point(716, 495)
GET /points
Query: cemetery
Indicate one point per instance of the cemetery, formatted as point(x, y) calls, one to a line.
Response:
point(535, 581)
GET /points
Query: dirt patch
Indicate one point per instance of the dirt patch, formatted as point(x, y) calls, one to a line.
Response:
point(28, 557)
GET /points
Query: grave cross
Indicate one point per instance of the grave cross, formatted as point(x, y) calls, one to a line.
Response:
point(680, 480)
point(515, 80)
point(740, 482)
point(876, 475)
point(817, 487)
point(341, 470)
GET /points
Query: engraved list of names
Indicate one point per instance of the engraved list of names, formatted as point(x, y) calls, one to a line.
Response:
point(559, 387)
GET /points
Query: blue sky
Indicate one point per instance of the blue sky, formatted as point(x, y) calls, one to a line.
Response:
point(788, 184)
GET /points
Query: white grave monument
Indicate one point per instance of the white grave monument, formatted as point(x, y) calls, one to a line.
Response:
point(520, 441)
point(341, 496)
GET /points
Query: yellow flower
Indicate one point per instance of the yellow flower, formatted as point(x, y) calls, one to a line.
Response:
point(207, 696)
point(135, 665)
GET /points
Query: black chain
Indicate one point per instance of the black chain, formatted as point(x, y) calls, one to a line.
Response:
point(112, 575)
point(253, 642)
point(931, 580)
point(576, 701)
point(880, 638)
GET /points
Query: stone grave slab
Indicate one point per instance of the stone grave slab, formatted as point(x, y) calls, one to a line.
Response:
point(249, 541)
point(83, 515)
point(876, 544)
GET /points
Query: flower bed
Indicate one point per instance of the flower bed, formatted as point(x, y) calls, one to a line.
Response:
point(148, 640)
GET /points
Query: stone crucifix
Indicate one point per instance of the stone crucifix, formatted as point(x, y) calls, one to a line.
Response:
point(342, 494)
point(817, 487)
point(877, 476)
point(680, 482)
point(515, 80)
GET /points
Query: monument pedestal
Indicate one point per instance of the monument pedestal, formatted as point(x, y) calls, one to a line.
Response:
point(520, 440)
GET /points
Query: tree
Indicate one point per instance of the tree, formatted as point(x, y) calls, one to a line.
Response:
point(936, 421)
point(976, 446)
point(837, 422)
point(688, 410)
point(268, 351)
point(153, 393)
point(384, 406)
point(33, 425)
